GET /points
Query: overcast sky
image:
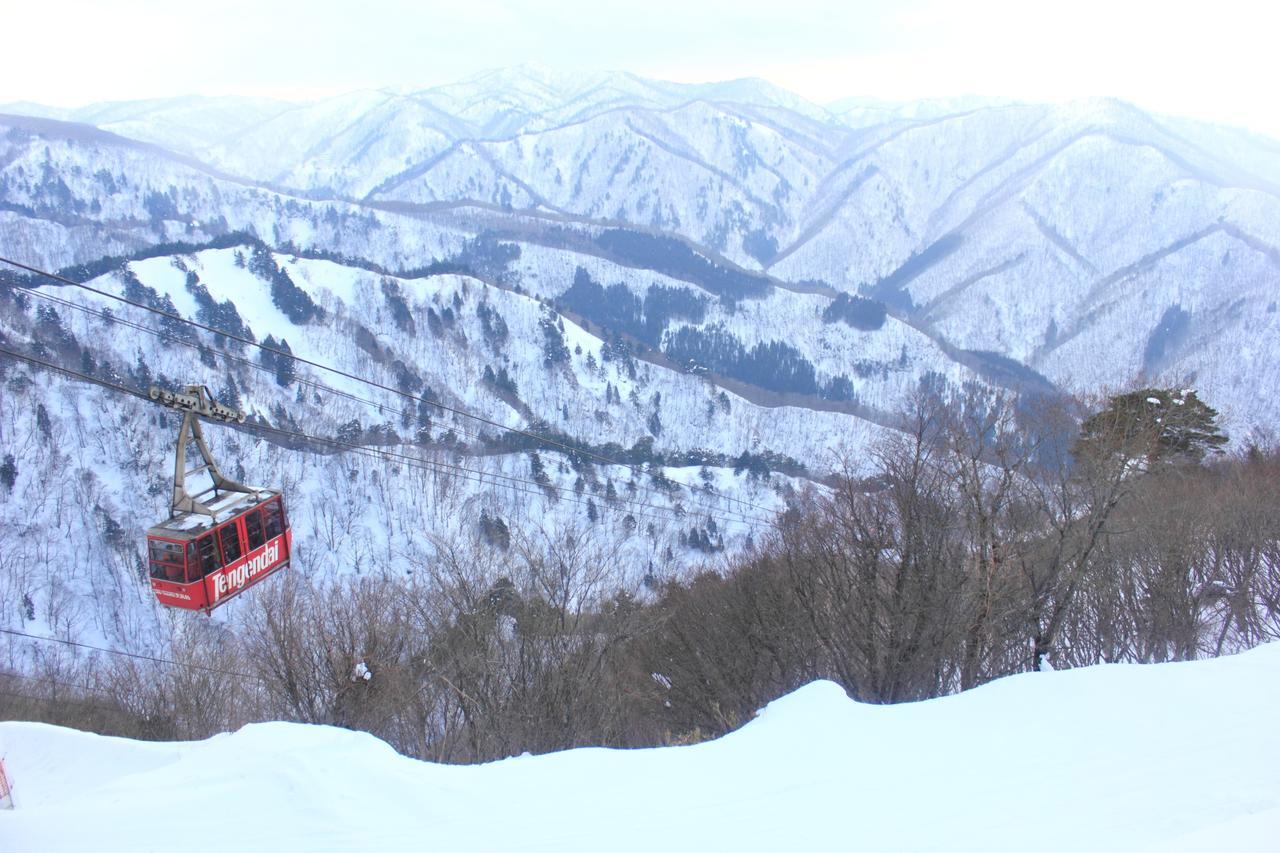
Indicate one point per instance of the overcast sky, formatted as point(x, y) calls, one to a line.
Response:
point(1213, 59)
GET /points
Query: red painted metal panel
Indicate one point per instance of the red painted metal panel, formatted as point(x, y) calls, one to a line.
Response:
point(253, 567)
point(190, 596)
point(6, 789)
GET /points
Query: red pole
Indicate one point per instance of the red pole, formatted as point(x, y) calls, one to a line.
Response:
point(6, 790)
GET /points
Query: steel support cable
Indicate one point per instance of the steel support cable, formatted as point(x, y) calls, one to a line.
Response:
point(150, 658)
point(435, 466)
point(731, 513)
point(226, 356)
point(432, 465)
point(359, 448)
point(721, 514)
point(346, 375)
point(506, 481)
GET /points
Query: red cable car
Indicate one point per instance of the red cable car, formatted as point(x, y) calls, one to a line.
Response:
point(221, 541)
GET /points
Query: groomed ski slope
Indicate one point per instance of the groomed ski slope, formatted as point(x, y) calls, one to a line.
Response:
point(1170, 757)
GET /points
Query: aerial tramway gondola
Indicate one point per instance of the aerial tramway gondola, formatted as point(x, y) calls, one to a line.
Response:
point(223, 540)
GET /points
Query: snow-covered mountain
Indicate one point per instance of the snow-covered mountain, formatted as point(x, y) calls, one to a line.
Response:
point(702, 272)
point(1069, 238)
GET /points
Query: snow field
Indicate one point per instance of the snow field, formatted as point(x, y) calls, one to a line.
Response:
point(1112, 758)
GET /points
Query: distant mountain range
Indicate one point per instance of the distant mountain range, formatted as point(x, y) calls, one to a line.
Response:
point(1091, 243)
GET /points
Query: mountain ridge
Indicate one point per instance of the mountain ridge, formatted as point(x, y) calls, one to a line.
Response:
point(823, 207)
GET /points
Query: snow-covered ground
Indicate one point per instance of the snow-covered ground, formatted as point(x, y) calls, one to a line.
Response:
point(1170, 757)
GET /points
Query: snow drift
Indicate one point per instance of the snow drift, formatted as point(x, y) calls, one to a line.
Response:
point(1166, 757)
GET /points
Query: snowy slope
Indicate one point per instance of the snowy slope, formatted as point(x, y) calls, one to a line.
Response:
point(1169, 757)
point(571, 397)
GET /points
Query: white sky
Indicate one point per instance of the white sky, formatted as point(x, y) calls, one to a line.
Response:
point(1214, 59)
